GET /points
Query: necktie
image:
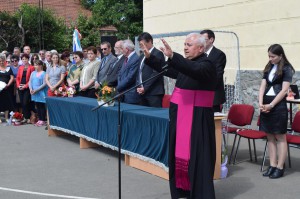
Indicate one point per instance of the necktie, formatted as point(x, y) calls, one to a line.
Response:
point(103, 62)
point(126, 60)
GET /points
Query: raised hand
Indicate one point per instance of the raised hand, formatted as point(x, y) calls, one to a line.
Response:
point(145, 50)
point(167, 49)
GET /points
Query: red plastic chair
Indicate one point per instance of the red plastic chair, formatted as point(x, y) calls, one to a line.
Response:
point(166, 101)
point(253, 135)
point(293, 139)
point(239, 115)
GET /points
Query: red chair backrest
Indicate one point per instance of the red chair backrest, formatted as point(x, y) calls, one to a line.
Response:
point(166, 101)
point(296, 123)
point(240, 114)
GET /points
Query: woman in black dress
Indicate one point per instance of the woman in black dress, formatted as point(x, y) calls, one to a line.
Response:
point(6, 76)
point(278, 75)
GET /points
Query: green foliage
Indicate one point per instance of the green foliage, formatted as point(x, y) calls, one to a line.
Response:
point(9, 31)
point(126, 16)
point(56, 34)
point(87, 4)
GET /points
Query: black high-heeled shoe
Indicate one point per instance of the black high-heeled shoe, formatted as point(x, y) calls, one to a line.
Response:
point(269, 171)
point(278, 173)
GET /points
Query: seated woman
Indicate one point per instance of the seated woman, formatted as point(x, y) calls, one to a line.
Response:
point(55, 74)
point(89, 74)
point(75, 70)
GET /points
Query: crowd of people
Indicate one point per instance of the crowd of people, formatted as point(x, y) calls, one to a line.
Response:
point(199, 91)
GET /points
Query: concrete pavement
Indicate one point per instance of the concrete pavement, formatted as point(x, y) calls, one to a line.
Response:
point(33, 165)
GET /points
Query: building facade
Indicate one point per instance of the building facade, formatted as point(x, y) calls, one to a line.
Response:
point(67, 9)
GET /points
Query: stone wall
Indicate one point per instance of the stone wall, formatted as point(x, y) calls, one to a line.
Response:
point(250, 82)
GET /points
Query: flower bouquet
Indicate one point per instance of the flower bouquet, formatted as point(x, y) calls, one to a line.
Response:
point(17, 118)
point(71, 91)
point(65, 91)
point(104, 94)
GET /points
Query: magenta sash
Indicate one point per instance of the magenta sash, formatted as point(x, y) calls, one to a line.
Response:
point(186, 101)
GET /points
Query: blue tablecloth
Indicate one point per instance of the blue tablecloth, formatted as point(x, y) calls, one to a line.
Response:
point(145, 130)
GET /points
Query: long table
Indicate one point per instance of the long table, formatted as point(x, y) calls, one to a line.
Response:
point(145, 130)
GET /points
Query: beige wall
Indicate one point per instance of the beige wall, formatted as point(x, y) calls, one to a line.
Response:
point(258, 24)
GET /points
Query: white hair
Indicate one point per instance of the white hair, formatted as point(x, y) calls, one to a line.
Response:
point(53, 51)
point(128, 44)
point(198, 38)
point(3, 57)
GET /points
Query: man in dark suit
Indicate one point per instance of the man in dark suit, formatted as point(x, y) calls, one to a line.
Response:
point(115, 67)
point(107, 59)
point(128, 73)
point(151, 92)
point(218, 58)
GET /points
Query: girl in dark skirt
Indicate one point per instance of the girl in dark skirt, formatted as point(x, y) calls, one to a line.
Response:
point(278, 75)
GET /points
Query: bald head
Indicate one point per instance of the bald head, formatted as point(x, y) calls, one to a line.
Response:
point(118, 47)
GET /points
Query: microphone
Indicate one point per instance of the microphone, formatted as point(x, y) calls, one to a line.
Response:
point(165, 67)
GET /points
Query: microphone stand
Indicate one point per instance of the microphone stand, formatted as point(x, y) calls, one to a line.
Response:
point(118, 97)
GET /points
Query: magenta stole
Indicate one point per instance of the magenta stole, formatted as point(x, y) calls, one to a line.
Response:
point(186, 101)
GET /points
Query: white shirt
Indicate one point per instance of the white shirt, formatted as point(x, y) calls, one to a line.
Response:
point(130, 55)
point(209, 50)
point(271, 92)
point(142, 63)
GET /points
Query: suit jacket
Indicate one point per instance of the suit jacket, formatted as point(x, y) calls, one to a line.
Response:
point(218, 58)
point(102, 72)
point(30, 69)
point(156, 85)
point(127, 79)
point(113, 71)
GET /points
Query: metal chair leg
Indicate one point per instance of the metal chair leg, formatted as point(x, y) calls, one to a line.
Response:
point(237, 148)
point(232, 149)
point(289, 156)
point(264, 158)
point(254, 148)
point(250, 152)
point(224, 139)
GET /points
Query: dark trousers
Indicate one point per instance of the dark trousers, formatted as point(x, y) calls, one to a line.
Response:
point(88, 93)
point(26, 103)
point(41, 110)
point(152, 100)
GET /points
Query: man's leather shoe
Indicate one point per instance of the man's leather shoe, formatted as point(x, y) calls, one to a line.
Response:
point(278, 173)
point(269, 171)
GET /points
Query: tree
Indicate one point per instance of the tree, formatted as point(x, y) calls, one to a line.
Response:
point(9, 31)
point(87, 4)
point(22, 28)
point(54, 29)
point(125, 15)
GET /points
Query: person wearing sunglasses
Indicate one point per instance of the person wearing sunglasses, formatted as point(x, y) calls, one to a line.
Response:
point(15, 68)
point(34, 58)
point(108, 58)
